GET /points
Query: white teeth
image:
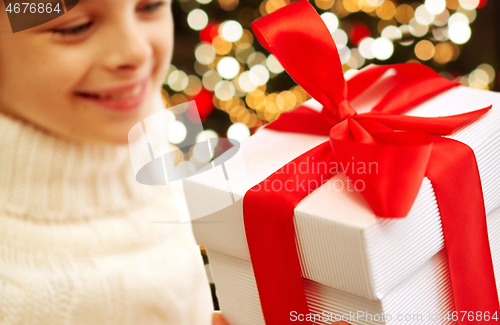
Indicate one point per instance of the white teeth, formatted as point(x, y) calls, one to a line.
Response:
point(137, 90)
point(131, 94)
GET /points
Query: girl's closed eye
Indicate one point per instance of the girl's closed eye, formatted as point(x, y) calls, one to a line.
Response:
point(152, 7)
point(73, 30)
point(82, 28)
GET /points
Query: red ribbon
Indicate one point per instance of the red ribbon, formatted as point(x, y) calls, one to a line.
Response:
point(299, 39)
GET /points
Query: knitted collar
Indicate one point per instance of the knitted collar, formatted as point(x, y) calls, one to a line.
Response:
point(46, 177)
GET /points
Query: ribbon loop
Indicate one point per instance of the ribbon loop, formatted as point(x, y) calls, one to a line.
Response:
point(322, 77)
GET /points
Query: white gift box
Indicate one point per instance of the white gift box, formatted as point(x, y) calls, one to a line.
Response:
point(342, 245)
point(424, 297)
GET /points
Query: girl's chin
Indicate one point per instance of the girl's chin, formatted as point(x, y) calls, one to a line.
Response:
point(119, 138)
point(112, 132)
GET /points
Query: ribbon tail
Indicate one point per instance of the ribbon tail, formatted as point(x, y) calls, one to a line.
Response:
point(433, 125)
point(408, 94)
point(408, 85)
point(455, 178)
point(269, 227)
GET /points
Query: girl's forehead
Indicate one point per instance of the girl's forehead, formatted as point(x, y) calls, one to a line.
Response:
point(4, 20)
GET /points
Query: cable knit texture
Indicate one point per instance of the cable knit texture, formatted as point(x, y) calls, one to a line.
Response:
point(77, 245)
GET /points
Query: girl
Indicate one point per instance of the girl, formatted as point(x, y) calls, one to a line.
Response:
point(76, 244)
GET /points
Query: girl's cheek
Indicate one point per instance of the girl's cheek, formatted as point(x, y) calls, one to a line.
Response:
point(164, 47)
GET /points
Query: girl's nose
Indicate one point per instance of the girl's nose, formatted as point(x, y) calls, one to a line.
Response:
point(128, 49)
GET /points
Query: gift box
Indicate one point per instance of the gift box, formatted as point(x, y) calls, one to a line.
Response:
point(424, 297)
point(341, 243)
point(351, 256)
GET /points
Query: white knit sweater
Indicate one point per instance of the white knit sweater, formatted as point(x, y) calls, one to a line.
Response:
point(76, 242)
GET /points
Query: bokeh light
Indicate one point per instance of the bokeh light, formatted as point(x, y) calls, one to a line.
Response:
point(201, 154)
point(324, 4)
point(177, 132)
point(452, 4)
point(273, 64)
point(178, 80)
point(245, 40)
point(231, 30)
point(340, 38)
point(356, 60)
point(458, 17)
point(435, 7)
point(479, 75)
point(417, 29)
point(256, 58)
point(221, 46)
point(386, 10)
point(392, 33)
point(171, 68)
point(440, 34)
point(404, 13)
point(470, 14)
point(459, 32)
point(238, 132)
point(228, 5)
point(423, 16)
point(349, 73)
point(331, 21)
point(245, 82)
point(424, 50)
point(444, 53)
point(242, 54)
point(345, 54)
point(259, 75)
point(210, 79)
point(382, 48)
point(273, 5)
point(365, 48)
point(228, 67)
point(224, 90)
point(358, 32)
point(194, 86)
point(489, 70)
point(204, 53)
point(207, 134)
point(234, 74)
point(197, 19)
point(469, 4)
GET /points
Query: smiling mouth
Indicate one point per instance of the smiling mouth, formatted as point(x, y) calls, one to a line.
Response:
point(136, 91)
point(124, 98)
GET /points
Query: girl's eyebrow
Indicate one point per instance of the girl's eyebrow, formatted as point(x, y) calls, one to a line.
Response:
point(73, 2)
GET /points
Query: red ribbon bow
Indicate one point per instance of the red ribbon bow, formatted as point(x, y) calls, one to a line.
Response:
point(299, 39)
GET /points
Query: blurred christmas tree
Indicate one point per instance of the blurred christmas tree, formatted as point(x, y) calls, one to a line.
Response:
point(238, 86)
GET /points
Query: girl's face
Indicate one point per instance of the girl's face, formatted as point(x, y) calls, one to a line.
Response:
point(90, 74)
